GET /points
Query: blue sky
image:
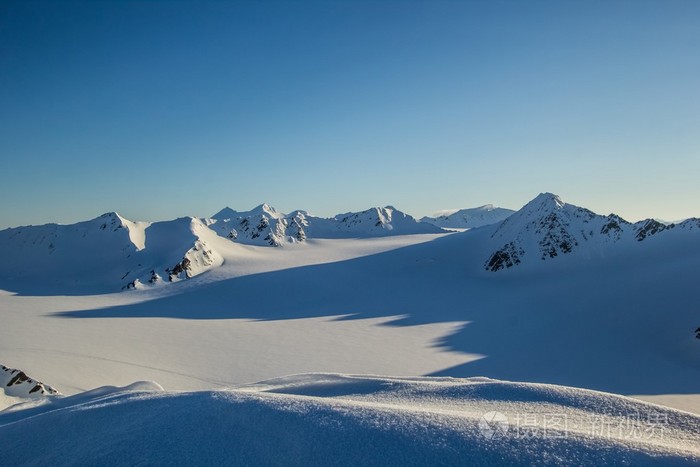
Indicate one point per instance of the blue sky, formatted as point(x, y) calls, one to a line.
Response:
point(163, 109)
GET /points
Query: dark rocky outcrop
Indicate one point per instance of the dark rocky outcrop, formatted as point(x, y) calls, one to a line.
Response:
point(183, 267)
point(506, 257)
point(17, 379)
point(650, 227)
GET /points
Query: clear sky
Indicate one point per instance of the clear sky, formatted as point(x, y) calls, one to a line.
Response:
point(163, 109)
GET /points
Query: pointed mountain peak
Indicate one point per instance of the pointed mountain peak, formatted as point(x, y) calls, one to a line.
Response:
point(111, 215)
point(546, 201)
point(226, 213)
point(547, 227)
point(264, 209)
point(540, 212)
point(111, 219)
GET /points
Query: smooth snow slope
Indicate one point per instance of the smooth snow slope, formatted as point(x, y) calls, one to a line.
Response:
point(324, 419)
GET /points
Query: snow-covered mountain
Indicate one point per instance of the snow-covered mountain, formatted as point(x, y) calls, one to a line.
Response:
point(173, 250)
point(264, 225)
point(470, 218)
point(373, 222)
point(106, 253)
point(547, 228)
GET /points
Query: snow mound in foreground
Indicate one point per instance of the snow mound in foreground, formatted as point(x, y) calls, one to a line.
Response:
point(337, 419)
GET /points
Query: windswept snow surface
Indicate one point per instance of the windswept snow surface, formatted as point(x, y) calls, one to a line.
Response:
point(324, 419)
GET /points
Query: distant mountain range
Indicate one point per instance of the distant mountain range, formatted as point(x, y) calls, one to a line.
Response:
point(470, 218)
point(112, 253)
point(266, 226)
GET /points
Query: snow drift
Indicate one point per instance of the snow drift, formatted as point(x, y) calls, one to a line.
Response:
point(322, 419)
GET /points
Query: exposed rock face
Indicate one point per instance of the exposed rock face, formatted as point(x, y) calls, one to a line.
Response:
point(16, 383)
point(182, 267)
point(650, 227)
point(614, 227)
point(155, 278)
point(506, 257)
point(555, 237)
point(296, 230)
point(200, 257)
